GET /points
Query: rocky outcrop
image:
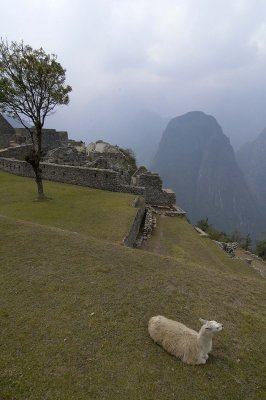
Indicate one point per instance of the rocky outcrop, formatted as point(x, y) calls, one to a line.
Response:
point(229, 248)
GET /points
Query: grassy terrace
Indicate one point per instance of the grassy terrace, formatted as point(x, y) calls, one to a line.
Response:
point(74, 312)
point(176, 238)
point(104, 215)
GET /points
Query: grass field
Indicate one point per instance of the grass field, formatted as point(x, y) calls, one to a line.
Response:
point(74, 312)
point(104, 215)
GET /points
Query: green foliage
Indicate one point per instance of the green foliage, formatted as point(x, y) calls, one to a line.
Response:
point(236, 236)
point(204, 225)
point(219, 236)
point(223, 236)
point(32, 82)
point(261, 249)
point(131, 159)
point(246, 245)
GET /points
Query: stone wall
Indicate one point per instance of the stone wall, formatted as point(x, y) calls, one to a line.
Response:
point(92, 177)
point(155, 195)
point(7, 133)
point(18, 153)
point(63, 135)
point(133, 232)
point(50, 137)
point(147, 184)
point(66, 155)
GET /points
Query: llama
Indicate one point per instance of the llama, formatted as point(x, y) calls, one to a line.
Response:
point(190, 346)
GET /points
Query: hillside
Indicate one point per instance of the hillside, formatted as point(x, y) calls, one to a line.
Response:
point(196, 160)
point(74, 309)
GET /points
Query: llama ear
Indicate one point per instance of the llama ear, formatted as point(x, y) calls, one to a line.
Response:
point(203, 321)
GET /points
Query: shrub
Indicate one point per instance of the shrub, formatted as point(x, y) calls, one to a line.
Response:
point(261, 249)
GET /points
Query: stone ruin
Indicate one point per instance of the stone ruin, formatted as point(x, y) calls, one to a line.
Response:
point(67, 154)
point(13, 134)
point(99, 165)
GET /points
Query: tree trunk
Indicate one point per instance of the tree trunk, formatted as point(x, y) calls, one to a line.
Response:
point(38, 171)
point(38, 179)
point(34, 159)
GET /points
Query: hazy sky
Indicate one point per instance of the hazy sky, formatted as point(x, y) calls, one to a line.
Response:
point(168, 56)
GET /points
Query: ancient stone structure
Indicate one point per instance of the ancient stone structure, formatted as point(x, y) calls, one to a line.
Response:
point(13, 133)
point(66, 155)
point(92, 177)
point(96, 150)
point(7, 132)
point(130, 238)
point(50, 139)
point(155, 194)
point(100, 166)
point(149, 224)
point(17, 152)
point(105, 155)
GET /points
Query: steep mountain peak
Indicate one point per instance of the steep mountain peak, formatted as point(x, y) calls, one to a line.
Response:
point(195, 124)
point(196, 159)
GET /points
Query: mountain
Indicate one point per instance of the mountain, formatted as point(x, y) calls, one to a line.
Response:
point(251, 158)
point(196, 159)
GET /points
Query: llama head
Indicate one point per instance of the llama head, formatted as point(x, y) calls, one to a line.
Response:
point(211, 326)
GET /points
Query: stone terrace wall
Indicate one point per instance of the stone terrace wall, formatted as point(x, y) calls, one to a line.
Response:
point(133, 232)
point(155, 195)
point(92, 177)
point(50, 137)
point(18, 153)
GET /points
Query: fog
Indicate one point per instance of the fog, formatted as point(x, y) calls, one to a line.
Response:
point(129, 60)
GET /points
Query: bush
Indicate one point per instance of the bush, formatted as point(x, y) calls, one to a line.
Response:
point(204, 225)
point(246, 245)
point(219, 236)
point(261, 249)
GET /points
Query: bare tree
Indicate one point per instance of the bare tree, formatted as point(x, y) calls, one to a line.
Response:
point(32, 84)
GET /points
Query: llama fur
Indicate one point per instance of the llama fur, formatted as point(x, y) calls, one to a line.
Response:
point(186, 344)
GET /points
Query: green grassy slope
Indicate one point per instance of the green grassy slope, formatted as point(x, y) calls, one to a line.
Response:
point(104, 215)
point(177, 238)
point(74, 313)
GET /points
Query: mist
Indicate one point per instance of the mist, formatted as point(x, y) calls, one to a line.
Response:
point(130, 60)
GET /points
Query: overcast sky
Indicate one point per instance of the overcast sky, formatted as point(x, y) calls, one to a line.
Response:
point(167, 56)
